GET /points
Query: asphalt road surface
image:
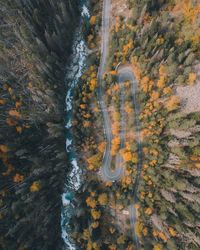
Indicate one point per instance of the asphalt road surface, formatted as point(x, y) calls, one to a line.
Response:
point(124, 73)
point(107, 173)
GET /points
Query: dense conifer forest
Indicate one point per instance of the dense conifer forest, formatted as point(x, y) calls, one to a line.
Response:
point(35, 44)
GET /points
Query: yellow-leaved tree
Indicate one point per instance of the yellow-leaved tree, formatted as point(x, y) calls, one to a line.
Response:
point(192, 78)
point(91, 202)
point(93, 20)
point(103, 199)
point(157, 247)
point(35, 187)
point(172, 103)
point(96, 214)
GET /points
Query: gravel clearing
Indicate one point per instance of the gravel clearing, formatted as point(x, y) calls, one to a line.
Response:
point(190, 95)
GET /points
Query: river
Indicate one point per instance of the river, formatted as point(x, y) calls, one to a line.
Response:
point(73, 74)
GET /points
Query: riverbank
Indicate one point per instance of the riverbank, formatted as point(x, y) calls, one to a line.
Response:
point(74, 174)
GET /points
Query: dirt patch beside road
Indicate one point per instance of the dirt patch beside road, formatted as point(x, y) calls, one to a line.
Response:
point(190, 95)
point(120, 8)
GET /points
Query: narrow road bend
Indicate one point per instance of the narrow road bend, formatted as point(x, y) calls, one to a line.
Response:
point(107, 173)
point(124, 73)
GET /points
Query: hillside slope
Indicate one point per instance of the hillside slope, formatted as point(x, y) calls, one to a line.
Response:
point(35, 43)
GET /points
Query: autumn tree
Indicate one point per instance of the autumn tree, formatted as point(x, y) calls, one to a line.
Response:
point(103, 199)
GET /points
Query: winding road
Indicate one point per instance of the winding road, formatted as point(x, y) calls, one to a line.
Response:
point(107, 173)
point(124, 73)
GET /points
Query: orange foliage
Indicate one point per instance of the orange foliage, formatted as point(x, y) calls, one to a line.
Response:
point(190, 12)
point(109, 184)
point(161, 82)
point(93, 20)
point(117, 23)
point(167, 90)
point(155, 233)
point(112, 247)
point(195, 39)
point(113, 72)
point(15, 113)
point(145, 231)
point(153, 163)
point(126, 180)
point(115, 145)
point(162, 236)
point(172, 232)
point(162, 70)
point(86, 234)
point(135, 158)
point(95, 224)
point(4, 148)
point(94, 161)
point(115, 128)
point(89, 245)
point(138, 229)
point(18, 104)
point(127, 47)
point(144, 83)
point(121, 240)
point(2, 102)
point(9, 170)
point(91, 202)
point(195, 158)
point(172, 103)
point(86, 116)
point(130, 247)
point(155, 95)
point(137, 72)
point(82, 106)
point(11, 122)
point(157, 247)
point(93, 194)
point(35, 187)
point(116, 117)
point(95, 246)
point(115, 88)
point(96, 214)
point(93, 84)
point(103, 199)
point(160, 40)
point(127, 156)
point(86, 124)
point(142, 195)
point(145, 133)
point(148, 211)
point(102, 146)
point(19, 129)
point(192, 78)
point(179, 41)
point(18, 178)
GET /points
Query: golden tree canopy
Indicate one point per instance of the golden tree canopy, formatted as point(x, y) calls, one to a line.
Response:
point(96, 214)
point(91, 202)
point(103, 199)
point(35, 187)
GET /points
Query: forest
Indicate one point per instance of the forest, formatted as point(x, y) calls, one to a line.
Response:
point(35, 44)
point(154, 129)
point(160, 41)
